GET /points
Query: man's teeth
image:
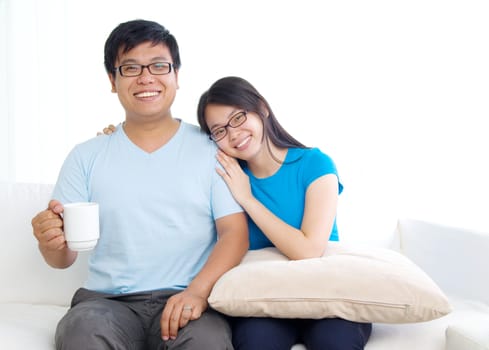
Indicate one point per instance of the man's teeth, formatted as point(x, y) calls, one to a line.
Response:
point(147, 94)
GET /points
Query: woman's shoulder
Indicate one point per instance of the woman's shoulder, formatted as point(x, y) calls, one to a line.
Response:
point(309, 154)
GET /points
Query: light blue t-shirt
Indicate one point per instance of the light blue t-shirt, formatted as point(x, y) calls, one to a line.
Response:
point(157, 210)
point(284, 192)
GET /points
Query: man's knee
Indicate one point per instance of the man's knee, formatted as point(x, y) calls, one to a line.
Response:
point(94, 325)
point(210, 332)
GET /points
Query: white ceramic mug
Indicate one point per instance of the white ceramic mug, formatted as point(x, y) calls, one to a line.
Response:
point(81, 225)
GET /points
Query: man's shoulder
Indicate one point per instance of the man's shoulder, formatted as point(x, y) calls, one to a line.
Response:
point(90, 148)
point(193, 129)
point(94, 142)
point(197, 135)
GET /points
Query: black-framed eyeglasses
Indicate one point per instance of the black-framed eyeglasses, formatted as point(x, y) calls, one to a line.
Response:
point(134, 70)
point(236, 120)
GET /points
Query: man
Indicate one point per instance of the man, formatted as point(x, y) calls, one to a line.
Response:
point(161, 204)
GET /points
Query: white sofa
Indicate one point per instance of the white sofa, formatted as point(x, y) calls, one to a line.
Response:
point(33, 296)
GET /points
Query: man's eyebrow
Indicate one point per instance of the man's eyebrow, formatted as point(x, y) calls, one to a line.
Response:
point(128, 61)
point(154, 59)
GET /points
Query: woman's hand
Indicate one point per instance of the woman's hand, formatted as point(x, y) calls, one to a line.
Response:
point(107, 131)
point(237, 181)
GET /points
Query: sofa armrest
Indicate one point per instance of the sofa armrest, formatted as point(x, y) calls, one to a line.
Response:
point(456, 259)
point(25, 276)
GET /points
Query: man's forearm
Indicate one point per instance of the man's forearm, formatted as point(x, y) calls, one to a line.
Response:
point(59, 259)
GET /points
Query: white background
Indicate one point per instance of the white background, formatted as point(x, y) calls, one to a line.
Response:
point(395, 91)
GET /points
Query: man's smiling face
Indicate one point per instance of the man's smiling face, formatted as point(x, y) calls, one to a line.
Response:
point(145, 96)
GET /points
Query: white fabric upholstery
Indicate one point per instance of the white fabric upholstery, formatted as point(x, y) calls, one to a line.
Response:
point(470, 332)
point(456, 258)
point(25, 277)
point(28, 326)
point(426, 335)
point(33, 296)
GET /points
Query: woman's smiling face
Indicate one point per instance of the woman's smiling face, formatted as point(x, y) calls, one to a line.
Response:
point(243, 141)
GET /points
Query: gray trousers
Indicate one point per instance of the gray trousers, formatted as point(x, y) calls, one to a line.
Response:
point(98, 321)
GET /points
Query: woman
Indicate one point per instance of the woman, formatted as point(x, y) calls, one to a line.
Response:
point(290, 193)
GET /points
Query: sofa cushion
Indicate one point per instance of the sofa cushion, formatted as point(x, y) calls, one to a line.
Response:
point(470, 333)
point(28, 326)
point(355, 283)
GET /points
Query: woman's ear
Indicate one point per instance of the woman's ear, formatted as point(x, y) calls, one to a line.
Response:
point(264, 110)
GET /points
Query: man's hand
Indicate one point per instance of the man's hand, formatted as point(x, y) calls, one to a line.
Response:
point(48, 227)
point(180, 309)
point(48, 230)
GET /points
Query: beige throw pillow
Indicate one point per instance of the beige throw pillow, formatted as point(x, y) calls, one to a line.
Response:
point(359, 284)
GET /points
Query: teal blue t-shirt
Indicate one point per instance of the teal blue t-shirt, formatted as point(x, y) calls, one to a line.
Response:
point(284, 192)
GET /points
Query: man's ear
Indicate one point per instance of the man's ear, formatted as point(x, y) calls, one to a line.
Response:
point(112, 82)
point(176, 78)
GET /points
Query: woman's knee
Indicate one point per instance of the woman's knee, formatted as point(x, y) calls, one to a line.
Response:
point(336, 334)
point(263, 333)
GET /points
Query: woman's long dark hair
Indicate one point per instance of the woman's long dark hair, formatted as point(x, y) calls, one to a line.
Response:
point(239, 93)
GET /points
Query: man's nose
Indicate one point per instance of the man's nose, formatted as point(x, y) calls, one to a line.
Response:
point(146, 76)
